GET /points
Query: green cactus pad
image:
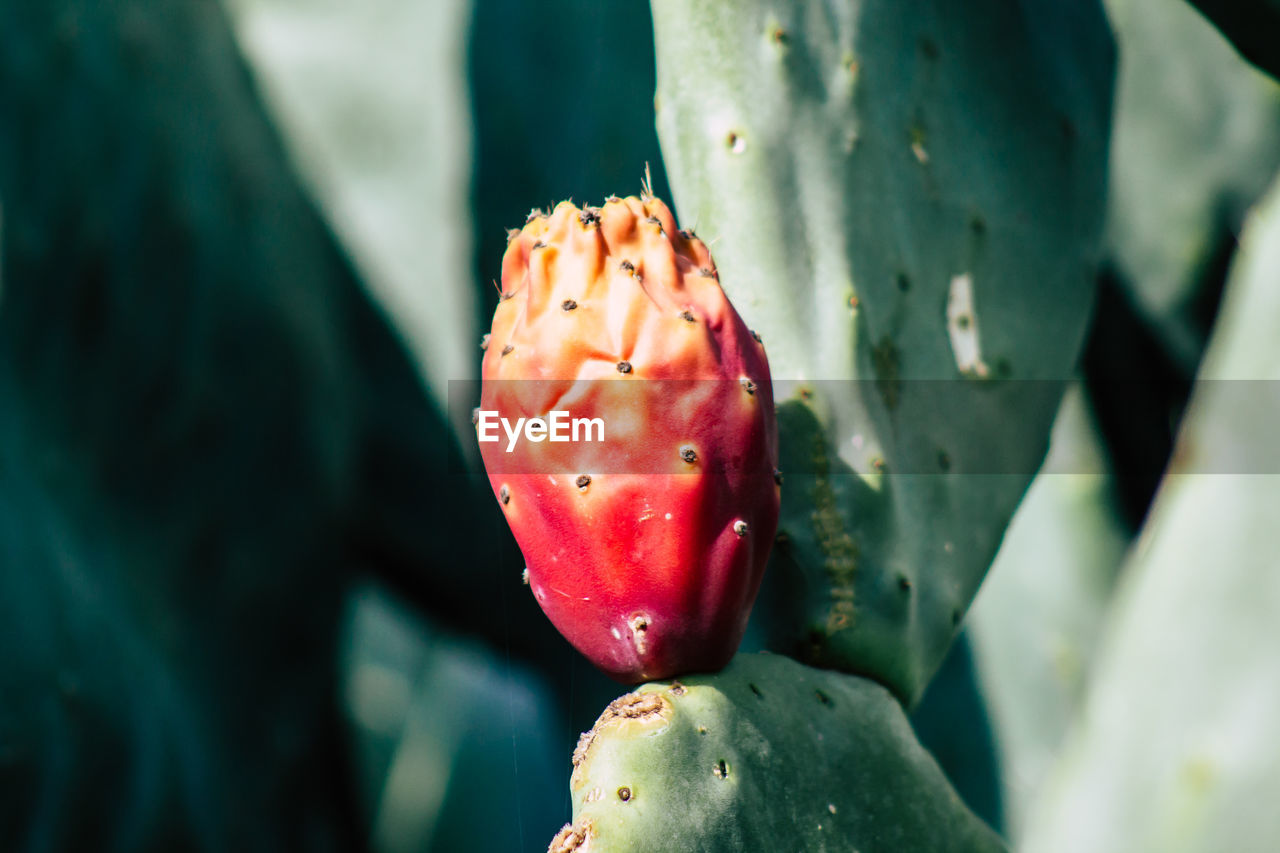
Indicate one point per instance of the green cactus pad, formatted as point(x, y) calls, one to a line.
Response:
point(1034, 625)
point(1175, 746)
point(768, 754)
point(1195, 144)
point(894, 192)
point(1251, 25)
point(392, 190)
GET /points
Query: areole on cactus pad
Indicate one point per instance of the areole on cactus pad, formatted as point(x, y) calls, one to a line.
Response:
point(646, 536)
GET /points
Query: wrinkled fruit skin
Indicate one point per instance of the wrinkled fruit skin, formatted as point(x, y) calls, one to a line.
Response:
point(646, 550)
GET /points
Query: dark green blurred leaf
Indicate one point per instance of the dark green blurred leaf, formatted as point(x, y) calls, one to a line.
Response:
point(952, 722)
point(210, 424)
point(562, 98)
point(449, 736)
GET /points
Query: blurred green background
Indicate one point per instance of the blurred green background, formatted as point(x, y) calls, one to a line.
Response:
point(250, 599)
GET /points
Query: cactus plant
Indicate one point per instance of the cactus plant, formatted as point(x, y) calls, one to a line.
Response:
point(573, 75)
point(768, 754)
point(385, 157)
point(900, 193)
point(954, 722)
point(1251, 26)
point(1034, 625)
point(223, 282)
point(132, 765)
point(1195, 144)
point(645, 539)
point(1171, 749)
point(1215, 123)
point(224, 427)
point(431, 770)
point(200, 427)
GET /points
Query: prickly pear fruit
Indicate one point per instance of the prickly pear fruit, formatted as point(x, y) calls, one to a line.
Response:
point(645, 545)
point(767, 755)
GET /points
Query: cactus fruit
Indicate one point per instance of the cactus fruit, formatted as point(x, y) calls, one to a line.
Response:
point(908, 201)
point(645, 548)
point(767, 755)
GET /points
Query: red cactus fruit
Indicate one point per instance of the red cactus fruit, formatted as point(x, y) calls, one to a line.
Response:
point(645, 549)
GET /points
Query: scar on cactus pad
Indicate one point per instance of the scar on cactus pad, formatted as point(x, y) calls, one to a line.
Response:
point(645, 547)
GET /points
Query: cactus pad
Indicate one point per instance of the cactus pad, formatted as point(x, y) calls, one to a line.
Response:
point(907, 201)
point(767, 755)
